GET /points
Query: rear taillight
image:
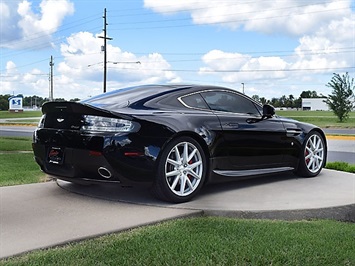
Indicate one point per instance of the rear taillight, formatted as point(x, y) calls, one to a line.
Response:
point(108, 124)
point(41, 122)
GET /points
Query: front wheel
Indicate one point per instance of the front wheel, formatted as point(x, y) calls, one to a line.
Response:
point(181, 171)
point(313, 155)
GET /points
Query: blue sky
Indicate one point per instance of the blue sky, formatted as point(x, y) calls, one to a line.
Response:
point(274, 47)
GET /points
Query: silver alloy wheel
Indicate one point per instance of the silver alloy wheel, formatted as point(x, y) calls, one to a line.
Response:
point(183, 169)
point(314, 153)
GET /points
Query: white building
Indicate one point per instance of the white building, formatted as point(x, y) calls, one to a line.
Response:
point(314, 104)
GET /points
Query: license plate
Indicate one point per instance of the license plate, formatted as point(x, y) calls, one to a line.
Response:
point(55, 155)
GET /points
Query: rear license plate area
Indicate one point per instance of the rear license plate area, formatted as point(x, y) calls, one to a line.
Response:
point(55, 155)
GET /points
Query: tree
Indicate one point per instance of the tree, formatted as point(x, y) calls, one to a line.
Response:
point(341, 100)
point(290, 101)
point(310, 94)
point(256, 98)
point(4, 102)
point(263, 100)
point(298, 103)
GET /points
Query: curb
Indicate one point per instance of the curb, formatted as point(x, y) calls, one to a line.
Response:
point(340, 137)
point(341, 213)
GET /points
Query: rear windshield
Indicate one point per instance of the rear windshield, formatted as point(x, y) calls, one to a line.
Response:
point(122, 97)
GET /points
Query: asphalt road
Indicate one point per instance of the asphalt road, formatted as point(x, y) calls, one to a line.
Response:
point(16, 131)
point(339, 149)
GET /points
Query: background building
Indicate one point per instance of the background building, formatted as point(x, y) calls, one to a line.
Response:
point(314, 104)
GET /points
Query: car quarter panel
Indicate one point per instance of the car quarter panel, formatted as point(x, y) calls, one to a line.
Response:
point(205, 126)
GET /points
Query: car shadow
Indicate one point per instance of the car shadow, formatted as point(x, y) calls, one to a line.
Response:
point(140, 194)
point(238, 184)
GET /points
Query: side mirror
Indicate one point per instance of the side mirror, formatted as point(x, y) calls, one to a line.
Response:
point(268, 111)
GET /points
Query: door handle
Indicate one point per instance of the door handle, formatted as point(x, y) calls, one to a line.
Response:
point(231, 125)
point(252, 120)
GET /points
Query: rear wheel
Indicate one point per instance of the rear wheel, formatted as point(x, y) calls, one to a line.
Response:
point(313, 155)
point(181, 171)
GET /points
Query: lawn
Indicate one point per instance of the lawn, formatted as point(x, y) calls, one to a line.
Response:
point(19, 168)
point(210, 241)
point(17, 164)
point(25, 114)
point(15, 144)
point(21, 118)
point(323, 119)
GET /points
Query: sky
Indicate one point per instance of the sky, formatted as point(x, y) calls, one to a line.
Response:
point(267, 48)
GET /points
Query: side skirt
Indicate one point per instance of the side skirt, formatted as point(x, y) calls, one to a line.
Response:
point(240, 173)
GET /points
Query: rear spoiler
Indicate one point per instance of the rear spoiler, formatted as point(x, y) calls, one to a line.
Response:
point(79, 108)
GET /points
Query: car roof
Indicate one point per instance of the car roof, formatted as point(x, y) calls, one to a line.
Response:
point(130, 94)
point(138, 97)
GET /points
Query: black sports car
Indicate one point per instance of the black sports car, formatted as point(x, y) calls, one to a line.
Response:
point(177, 137)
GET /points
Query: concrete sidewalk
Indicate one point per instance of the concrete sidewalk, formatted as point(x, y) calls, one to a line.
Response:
point(49, 214)
point(44, 215)
point(330, 195)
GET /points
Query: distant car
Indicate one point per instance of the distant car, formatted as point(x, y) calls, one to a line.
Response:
point(176, 137)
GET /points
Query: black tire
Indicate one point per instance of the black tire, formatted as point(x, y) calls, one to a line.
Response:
point(181, 171)
point(313, 156)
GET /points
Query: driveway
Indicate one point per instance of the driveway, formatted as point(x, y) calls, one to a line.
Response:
point(49, 214)
point(43, 215)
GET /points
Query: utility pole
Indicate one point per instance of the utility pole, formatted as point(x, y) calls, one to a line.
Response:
point(51, 64)
point(104, 49)
point(243, 87)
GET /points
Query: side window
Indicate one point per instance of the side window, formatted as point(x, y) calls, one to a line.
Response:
point(195, 101)
point(229, 102)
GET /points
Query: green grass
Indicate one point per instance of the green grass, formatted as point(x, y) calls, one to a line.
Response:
point(7, 114)
point(17, 168)
point(15, 144)
point(29, 121)
point(341, 166)
point(210, 241)
point(323, 119)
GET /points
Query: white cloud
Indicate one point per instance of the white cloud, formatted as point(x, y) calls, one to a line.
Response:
point(79, 74)
point(293, 17)
point(15, 82)
point(220, 60)
point(81, 70)
point(325, 33)
point(23, 27)
point(328, 48)
point(236, 68)
point(4, 11)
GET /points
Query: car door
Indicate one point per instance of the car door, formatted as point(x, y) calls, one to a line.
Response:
point(252, 142)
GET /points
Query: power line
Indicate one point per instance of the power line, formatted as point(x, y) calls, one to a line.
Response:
point(241, 70)
point(210, 23)
point(124, 12)
point(275, 53)
point(44, 33)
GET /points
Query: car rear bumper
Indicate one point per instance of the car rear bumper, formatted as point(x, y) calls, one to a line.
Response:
point(78, 158)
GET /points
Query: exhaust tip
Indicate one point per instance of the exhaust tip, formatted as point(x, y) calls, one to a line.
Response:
point(104, 172)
